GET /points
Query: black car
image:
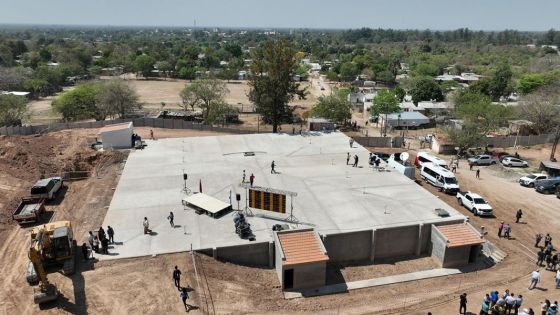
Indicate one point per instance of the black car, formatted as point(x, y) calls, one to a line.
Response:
point(547, 186)
point(558, 192)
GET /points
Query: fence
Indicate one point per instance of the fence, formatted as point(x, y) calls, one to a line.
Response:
point(383, 142)
point(138, 122)
point(511, 141)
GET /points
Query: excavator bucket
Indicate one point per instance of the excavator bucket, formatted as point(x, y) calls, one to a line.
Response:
point(48, 293)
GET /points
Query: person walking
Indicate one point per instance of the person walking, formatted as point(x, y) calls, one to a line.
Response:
point(177, 277)
point(184, 297)
point(478, 173)
point(347, 158)
point(355, 161)
point(85, 251)
point(518, 215)
point(111, 234)
point(538, 238)
point(557, 279)
point(146, 225)
point(170, 217)
point(507, 230)
point(251, 179)
point(547, 240)
point(243, 180)
point(535, 279)
point(500, 229)
point(152, 134)
point(463, 303)
point(351, 141)
point(272, 170)
point(454, 167)
point(90, 239)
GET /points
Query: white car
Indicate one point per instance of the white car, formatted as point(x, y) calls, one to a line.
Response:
point(482, 159)
point(511, 161)
point(475, 203)
point(529, 180)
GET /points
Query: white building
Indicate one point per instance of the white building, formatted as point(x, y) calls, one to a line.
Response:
point(117, 136)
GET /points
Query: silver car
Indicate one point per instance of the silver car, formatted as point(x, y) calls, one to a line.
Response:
point(482, 159)
point(511, 161)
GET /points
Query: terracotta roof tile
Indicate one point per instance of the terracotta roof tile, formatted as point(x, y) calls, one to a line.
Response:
point(459, 235)
point(301, 248)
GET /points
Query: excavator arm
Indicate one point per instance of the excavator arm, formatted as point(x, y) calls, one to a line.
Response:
point(47, 292)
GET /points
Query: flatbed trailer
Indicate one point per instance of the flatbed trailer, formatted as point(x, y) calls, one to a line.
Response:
point(29, 210)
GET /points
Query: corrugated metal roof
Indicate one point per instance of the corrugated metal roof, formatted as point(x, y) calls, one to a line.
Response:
point(459, 235)
point(116, 127)
point(301, 248)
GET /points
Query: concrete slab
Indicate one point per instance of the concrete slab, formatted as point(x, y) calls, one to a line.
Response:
point(332, 197)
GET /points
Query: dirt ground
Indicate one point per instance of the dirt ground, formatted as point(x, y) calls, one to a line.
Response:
point(144, 285)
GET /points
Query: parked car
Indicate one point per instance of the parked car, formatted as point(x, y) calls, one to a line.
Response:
point(425, 157)
point(529, 180)
point(482, 159)
point(439, 177)
point(547, 186)
point(475, 203)
point(47, 188)
point(374, 119)
point(511, 161)
point(558, 192)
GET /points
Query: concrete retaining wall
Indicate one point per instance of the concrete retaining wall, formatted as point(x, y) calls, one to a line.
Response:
point(349, 246)
point(395, 242)
point(456, 256)
point(252, 254)
point(310, 276)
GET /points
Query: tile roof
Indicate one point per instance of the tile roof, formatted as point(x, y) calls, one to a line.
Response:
point(459, 235)
point(115, 127)
point(301, 248)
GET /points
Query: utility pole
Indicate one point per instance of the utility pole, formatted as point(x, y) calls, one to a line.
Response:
point(555, 144)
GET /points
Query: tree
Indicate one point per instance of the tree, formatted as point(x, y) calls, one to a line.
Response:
point(187, 73)
point(79, 103)
point(117, 98)
point(143, 64)
point(348, 70)
point(468, 136)
point(500, 83)
point(12, 110)
point(219, 113)
point(426, 89)
point(272, 87)
point(426, 69)
point(165, 67)
point(385, 102)
point(204, 93)
point(13, 79)
point(334, 107)
point(533, 81)
point(400, 93)
point(540, 108)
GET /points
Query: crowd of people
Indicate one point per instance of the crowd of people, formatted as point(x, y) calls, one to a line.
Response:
point(98, 243)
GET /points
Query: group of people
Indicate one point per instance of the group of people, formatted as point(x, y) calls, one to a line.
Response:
point(251, 178)
point(355, 164)
point(184, 292)
point(506, 229)
point(374, 160)
point(98, 243)
point(545, 256)
point(494, 303)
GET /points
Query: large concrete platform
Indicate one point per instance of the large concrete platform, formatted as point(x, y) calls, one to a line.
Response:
point(333, 197)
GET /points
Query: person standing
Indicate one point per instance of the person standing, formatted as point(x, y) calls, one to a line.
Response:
point(547, 240)
point(557, 279)
point(90, 239)
point(544, 307)
point(507, 230)
point(85, 251)
point(500, 229)
point(351, 142)
point(553, 309)
point(355, 161)
point(535, 279)
point(177, 277)
point(485, 308)
point(454, 167)
point(463, 303)
point(111, 234)
point(184, 297)
point(152, 134)
point(171, 217)
point(518, 302)
point(243, 180)
point(540, 257)
point(478, 173)
point(105, 246)
point(470, 166)
point(538, 238)
point(518, 215)
point(510, 303)
point(494, 296)
point(146, 225)
point(347, 158)
point(272, 170)
point(96, 244)
point(251, 179)
point(101, 233)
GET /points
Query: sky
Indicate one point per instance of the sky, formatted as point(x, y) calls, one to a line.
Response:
point(539, 15)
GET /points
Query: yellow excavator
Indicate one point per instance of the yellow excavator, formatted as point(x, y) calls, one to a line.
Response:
point(51, 244)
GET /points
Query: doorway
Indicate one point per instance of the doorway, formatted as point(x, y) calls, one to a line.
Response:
point(288, 278)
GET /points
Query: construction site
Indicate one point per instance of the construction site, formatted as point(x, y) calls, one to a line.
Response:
point(263, 223)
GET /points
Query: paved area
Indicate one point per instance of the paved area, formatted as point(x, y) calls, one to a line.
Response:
point(332, 197)
point(353, 285)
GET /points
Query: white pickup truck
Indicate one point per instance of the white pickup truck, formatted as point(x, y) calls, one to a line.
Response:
point(475, 203)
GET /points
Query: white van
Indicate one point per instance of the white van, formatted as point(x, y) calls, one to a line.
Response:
point(425, 157)
point(439, 177)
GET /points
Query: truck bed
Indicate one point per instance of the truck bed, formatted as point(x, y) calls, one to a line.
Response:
point(29, 209)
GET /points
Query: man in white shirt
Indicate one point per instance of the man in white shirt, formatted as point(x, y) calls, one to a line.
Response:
point(535, 279)
point(146, 225)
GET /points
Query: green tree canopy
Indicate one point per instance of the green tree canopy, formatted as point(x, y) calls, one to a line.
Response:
point(500, 84)
point(117, 98)
point(533, 81)
point(79, 103)
point(12, 110)
point(426, 89)
point(385, 102)
point(334, 107)
point(204, 93)
point(272, 87)
point(143, 64)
